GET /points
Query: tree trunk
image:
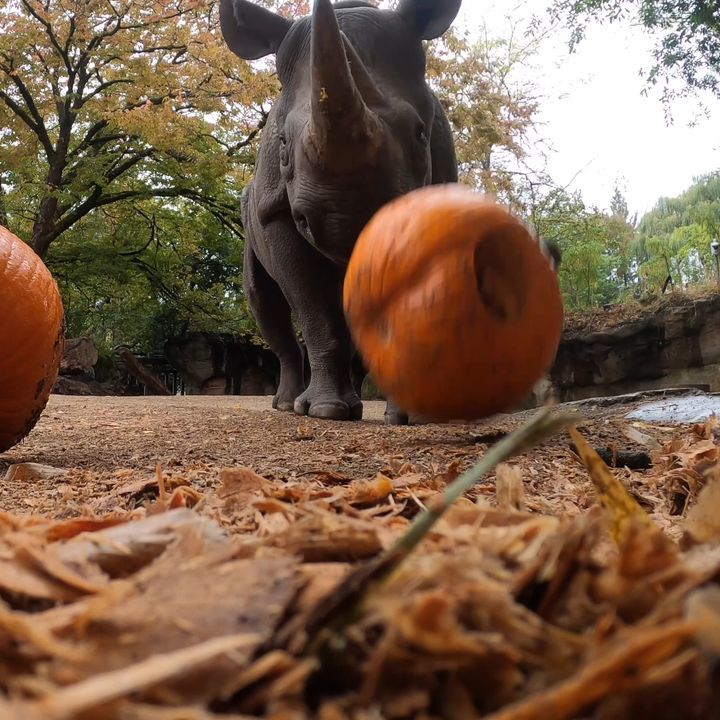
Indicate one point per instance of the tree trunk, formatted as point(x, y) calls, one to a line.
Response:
point(44, 227)
point(669, 275)
point(3, 208)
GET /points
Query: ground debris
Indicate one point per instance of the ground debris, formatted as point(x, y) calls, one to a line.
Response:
point(549, 590)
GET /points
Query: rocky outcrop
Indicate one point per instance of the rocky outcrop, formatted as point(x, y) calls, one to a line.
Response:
point(223, 364)
point(673, 344)
point(77, 370)
point(677, 345)
point(79, 357)
point(73, 385)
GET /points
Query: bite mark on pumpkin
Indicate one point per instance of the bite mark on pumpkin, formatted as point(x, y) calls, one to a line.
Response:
point(499, 264)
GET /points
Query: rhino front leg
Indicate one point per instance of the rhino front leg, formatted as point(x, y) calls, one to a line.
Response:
point(331, 393)
point(274, 317)
point(313, 286)
point(394, 415)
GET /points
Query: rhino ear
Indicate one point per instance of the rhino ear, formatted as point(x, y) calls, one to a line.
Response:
point(251, 31)
point(431, 17)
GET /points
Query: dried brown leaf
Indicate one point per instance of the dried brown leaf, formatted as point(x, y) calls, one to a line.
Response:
point(364, 494)
point(33, 472)
point(641, 438)
point(184, 497)
point(616, 669)
point(138, 711)
point(124, 549)
point(70, 528)
point(328, 538)
point(177, 603)
point(85, 577)
point(25, 580)
point(703, 519)
point(21, 629)
point(509, 488)
point(702, 608)
point(239, 487)
point(108, 686)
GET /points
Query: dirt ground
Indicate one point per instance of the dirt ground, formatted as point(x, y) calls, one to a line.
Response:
point(147, 573)
point(104, 444)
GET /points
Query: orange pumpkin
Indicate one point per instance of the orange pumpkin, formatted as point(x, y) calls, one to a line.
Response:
point(453, 304)
point(31, 338)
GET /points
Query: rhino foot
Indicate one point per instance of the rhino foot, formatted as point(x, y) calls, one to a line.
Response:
point(290, 388)
point(329, 408)
point(284, 405)
point(394, 415)
point(396, 418)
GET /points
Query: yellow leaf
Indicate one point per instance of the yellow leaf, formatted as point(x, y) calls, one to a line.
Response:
point(612, 494)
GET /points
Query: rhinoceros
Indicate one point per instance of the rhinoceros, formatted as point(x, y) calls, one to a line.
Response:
point(355, 125)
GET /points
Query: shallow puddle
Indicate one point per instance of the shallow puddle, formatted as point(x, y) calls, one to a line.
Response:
point(696, 408)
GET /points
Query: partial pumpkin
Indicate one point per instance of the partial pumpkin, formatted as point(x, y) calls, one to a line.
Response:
point(453, 304)
point(31, 338)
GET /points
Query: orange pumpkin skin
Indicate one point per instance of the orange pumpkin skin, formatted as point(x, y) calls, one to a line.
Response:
point(31, 338)
point(453, 304)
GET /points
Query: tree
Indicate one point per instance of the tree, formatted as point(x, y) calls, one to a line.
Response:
point(620, 240)
point(141, 273)
point(673, 239)
point(490, 109)
point(598, 249)
point(104, 102)
point(687, 31)
point(127, 131)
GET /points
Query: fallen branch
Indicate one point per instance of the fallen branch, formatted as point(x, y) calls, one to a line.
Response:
point(612, 494)
point(621, 458)
point(148, 378)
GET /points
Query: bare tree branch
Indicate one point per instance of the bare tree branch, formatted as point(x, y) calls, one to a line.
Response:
point(31, 117)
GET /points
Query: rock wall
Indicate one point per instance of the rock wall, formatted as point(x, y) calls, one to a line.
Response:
point(676, 345)
point(223, 365)
point(77, 370)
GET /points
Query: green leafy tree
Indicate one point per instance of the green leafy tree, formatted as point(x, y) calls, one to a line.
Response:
point(620, 242)
point(139, 274)
point(127, 131)
point(673, 239)
point(598, 248)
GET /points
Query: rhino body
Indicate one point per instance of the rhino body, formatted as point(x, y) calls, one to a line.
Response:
point(354, 126)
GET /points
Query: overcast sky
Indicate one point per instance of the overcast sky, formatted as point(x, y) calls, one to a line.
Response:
point(603, 129)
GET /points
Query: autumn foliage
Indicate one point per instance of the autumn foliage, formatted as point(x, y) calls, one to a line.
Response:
point(109, 102)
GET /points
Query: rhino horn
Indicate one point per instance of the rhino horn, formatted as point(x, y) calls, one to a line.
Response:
point(363, 80)
point(337, 107)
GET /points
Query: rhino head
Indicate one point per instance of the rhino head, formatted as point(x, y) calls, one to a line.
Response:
point(353, 125)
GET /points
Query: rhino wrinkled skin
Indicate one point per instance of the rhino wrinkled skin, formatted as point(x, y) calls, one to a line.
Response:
point(354, 126)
